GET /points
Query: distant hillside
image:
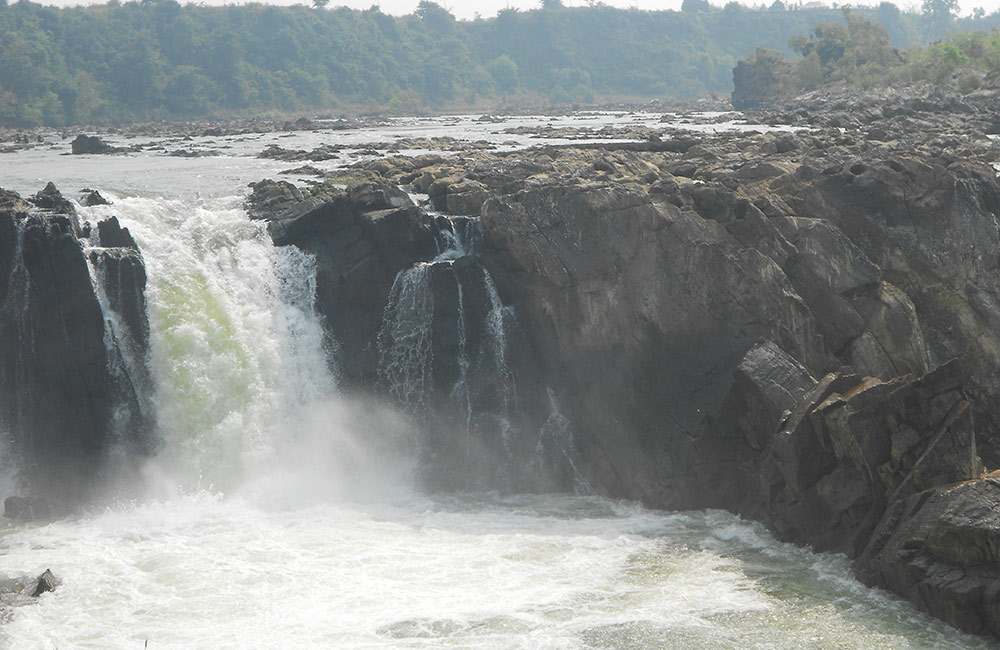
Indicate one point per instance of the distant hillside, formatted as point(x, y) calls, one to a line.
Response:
point(855, 54)
point(160, 60)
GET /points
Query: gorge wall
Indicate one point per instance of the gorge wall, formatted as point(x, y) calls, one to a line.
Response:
point(801, 327)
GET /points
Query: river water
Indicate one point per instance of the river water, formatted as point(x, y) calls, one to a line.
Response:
point(280, 513)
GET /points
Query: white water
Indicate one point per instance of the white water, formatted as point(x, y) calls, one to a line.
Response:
point(546, 572)
point(279, 514)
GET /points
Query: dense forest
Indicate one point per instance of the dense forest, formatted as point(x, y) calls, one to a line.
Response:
point(157, 59)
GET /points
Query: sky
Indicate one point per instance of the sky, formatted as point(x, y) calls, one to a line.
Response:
point(468, 9)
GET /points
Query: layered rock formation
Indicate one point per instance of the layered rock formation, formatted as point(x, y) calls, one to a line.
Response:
point(799, 326)
point(413, 316)
point(70, 377)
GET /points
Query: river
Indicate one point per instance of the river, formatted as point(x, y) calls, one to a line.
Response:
point(280, 513)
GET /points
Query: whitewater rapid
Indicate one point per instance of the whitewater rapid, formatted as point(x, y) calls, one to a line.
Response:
point(204, 571)
point(280, 513)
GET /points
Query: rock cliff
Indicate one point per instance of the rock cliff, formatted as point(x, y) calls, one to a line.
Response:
point(70, 378)
point(802, 327)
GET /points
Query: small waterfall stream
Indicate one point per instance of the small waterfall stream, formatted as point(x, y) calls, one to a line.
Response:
point(477, 395)
point(17, 300)
point(405, 339)
point(126, 364)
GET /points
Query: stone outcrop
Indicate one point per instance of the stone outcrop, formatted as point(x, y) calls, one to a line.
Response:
point(90, 144)
point(938, 549)
point(415, 318)
point(802, 327)
point(67, 392)
point(361, 239)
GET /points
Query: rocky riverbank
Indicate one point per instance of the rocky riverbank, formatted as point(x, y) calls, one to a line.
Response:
point(800, 326)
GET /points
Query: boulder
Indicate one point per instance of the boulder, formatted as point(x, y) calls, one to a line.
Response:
point(854, 445)
point(46, 582)
point(93, 197)
point(362, 238)
point(27, 509)
point(90, 144)
point(939, 549)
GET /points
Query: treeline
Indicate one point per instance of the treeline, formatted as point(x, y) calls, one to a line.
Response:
point(858, 52)
point(157, 59)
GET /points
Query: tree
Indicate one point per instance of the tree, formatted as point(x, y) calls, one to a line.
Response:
point(435, 16)
point(320, 4)
point(940, 9)
point(695, 5)
point(503, 69)
point(758, 79)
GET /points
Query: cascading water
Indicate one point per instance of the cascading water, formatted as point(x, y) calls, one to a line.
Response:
point(17, 301)
point(496, 350)
point(405, 339)
point(480, 399)
point(243, 387)
point(126, 364)
point(556, 440)
point(266, 521)
point(460, 391)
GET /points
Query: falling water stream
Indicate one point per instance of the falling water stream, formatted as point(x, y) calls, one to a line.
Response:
point(280, 513)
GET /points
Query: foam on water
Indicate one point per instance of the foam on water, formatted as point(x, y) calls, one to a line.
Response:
point(464, 572)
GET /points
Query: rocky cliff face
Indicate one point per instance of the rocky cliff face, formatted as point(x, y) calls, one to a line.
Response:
point(801, 327)
point(414, 317)
point(70, 381)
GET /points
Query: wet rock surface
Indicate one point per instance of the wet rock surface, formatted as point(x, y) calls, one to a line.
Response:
point(361, 238)
point(801, 325)
point(59, 393)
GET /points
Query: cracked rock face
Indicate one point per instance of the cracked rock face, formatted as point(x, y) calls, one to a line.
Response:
point(59, 395)
point(800, 327)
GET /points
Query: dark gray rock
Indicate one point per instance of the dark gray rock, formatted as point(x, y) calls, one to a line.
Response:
point(939, 550)
point(112, 235)
point(27, 509)
point(660, 303)
point(46, 582)
point(93, 197)
point(58, 391)
point(362, 239)
point(90, 144)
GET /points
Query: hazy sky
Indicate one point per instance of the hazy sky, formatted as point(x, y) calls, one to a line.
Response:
point(467, 9)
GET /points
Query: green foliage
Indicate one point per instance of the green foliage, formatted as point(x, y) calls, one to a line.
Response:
point(858, 52)
point(504, 72)
point(158, 59)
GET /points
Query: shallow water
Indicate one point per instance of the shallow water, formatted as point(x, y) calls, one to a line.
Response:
point(280, 514)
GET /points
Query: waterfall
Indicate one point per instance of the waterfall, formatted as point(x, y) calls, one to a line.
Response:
point(17, 298)
point(237, 350)
point(556, 442)
point(450, 305)
point(404, 341)
point(125, 361)
point(496, 337)
point(460, 391)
